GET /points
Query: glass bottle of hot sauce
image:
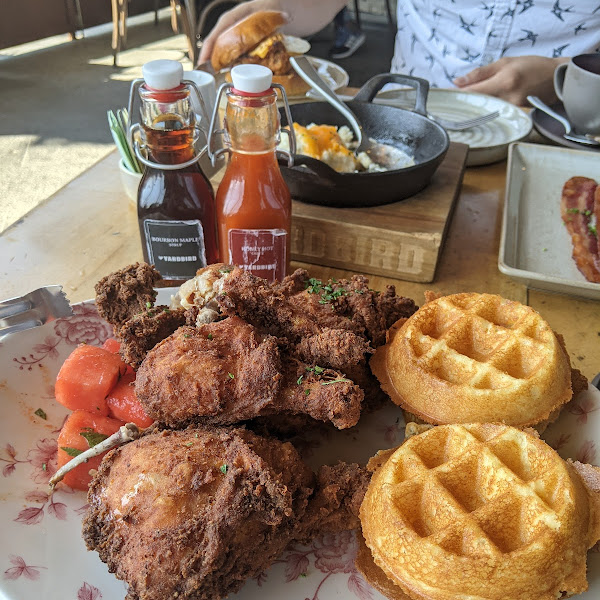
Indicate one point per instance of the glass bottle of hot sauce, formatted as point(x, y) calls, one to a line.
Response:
point(254, 210)
point(176, 204)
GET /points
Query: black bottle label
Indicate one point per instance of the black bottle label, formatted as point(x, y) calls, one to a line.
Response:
point(176, 248)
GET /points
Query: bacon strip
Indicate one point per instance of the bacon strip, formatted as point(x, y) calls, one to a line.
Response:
point(577, 208)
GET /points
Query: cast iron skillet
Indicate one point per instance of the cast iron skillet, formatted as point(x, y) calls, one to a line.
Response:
point(312, 181)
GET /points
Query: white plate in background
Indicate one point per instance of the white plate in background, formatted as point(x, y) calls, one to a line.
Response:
point(42, 553)
point(332, 74)
point(487, 143)
point(535, 246)
point(335, 76)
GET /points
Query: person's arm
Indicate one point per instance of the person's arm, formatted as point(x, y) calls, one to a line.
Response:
point(514, 78)
point(304, 18)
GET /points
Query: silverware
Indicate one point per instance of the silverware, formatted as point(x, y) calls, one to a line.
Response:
point(33, 309)
point(467, 124)
point(445, 123)
point(302, 66)
point(569, 134)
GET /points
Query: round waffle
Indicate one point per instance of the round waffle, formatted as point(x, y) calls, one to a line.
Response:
point(480, 512)
point(474, 357)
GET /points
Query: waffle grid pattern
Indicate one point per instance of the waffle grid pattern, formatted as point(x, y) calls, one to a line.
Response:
point(477, 491)
point(480, 341)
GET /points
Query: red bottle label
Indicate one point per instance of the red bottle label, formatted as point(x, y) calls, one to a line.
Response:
point(260, 251)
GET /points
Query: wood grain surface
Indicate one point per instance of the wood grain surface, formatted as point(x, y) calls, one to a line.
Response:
point(401, 240)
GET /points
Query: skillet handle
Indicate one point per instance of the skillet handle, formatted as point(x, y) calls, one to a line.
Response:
point(369, 90)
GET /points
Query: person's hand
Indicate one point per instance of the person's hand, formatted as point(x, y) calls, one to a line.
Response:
point(514, 78)
point(228, 19)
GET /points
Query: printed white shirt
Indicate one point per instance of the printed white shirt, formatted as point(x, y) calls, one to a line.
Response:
point(440, 40)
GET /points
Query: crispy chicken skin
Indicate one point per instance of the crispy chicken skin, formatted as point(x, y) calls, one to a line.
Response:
point(301, 306)
point(125, 293)
point(139, 334)
point(227, 371)
point(180, 514)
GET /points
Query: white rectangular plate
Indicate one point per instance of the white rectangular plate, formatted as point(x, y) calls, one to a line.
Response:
point(535, 247)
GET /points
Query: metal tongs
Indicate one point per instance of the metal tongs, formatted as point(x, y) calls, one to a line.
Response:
point(34, 309)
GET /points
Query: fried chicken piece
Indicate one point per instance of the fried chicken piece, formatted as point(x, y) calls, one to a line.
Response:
point(180, 514)
point(268, 307)
point(139, 334)
point(338, 348)
point(227, 371)
point(301, 306)
point(125, 293)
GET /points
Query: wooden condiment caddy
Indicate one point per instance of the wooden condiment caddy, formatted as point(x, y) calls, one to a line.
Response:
point(401, 240)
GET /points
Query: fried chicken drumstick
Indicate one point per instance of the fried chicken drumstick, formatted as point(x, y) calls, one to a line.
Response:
point(226, 372)
point(180, 514)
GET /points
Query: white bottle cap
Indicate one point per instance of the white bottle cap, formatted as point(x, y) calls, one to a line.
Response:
point(162, 74)
point(253, 79)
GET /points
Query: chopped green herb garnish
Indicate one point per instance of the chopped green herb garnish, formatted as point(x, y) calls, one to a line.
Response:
point(41, 414)
point(225, 269)
point(93, 437)
point(189, 444)
point(545, 249)
point(575, 211)
point(587, 213)
point(335, 381)
point(44, 466)
point(302, 574)
point(71, 451)
point(592, 229)
point(300, 379)
point(316, 370)
point(313, 286)
point(210, 336)
point(231, 375)
point(307, 392)
point(224, 468)
point(148, 304)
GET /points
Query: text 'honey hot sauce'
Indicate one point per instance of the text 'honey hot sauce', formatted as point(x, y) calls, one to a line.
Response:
point(176, 204)
point(254, 210)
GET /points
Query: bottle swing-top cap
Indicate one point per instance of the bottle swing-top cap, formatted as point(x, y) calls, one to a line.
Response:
point(251, 79)
point(163, 74)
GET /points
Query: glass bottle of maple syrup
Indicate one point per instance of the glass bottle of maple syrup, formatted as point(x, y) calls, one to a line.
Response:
point(254, 210)
point(176, 204)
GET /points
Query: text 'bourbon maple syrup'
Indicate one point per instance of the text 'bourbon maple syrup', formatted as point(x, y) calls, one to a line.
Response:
point(176, 207)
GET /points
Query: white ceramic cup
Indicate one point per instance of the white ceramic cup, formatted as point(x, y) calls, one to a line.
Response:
point(208, 90)
point(577, 84)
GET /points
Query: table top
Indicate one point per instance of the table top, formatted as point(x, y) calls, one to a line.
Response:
point(89, 229)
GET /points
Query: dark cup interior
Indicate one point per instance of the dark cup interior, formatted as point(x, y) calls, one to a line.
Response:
point(588, 62)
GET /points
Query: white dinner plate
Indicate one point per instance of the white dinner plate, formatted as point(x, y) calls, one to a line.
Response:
point(487, 143)
point(42, 554)
point(535, 246)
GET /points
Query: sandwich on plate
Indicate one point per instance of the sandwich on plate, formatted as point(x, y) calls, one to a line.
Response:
point(257, 40)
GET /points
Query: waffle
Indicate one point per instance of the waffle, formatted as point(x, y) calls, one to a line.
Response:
point(481, 511)
point(472, 357)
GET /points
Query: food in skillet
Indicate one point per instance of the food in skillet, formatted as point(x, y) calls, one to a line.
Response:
point(336, 146)
point(477, 358)
point(580, 212)
point(482, 511)
point(191, 514)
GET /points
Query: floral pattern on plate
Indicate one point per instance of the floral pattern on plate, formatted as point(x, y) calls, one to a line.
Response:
point(42, 554)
